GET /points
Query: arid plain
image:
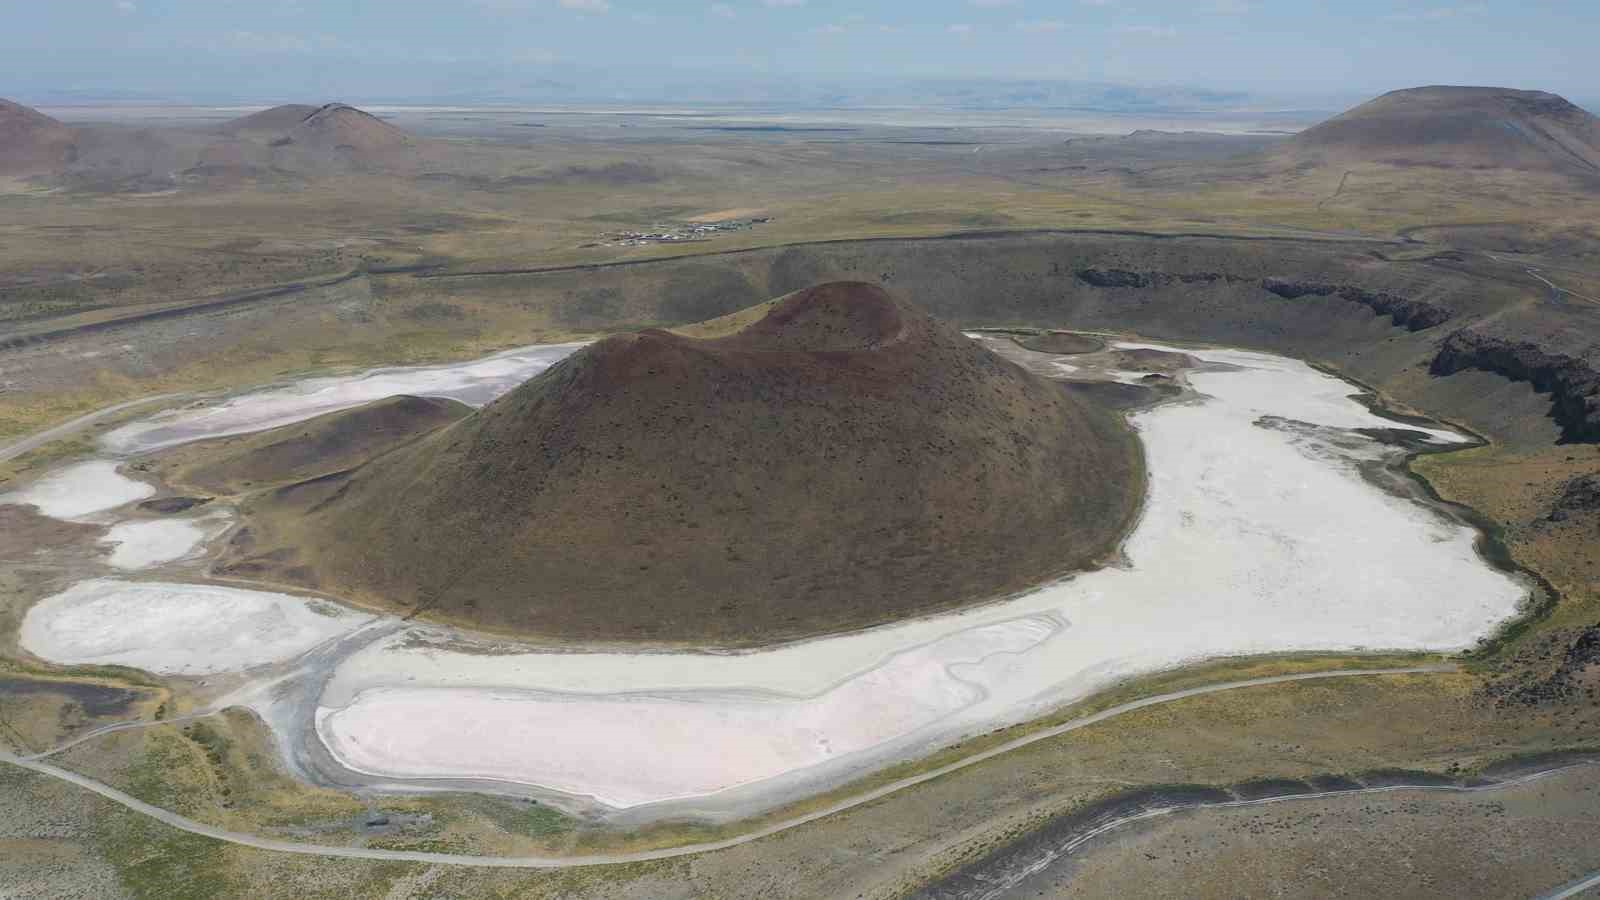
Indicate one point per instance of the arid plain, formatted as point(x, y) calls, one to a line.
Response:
point(183, 264)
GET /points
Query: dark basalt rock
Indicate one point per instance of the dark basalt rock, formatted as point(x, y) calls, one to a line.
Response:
point(1573, 385)
point(1572, 653)
point(1582, 494)
point(167, 506)
point(1114, 278)
point(1413, 315)
point(1123, 278)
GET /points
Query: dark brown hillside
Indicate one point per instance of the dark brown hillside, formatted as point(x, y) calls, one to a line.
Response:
point(844, 461)
point(1466, 127)
point(31, 143)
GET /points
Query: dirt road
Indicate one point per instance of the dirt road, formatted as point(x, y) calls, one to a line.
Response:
point(531, 862)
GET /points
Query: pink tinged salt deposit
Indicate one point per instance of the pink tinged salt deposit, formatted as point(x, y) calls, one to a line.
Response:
point(646, 748)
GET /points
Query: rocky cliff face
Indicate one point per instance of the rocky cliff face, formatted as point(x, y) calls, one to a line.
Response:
point(1124, 278)
point(1573, 384)
point(1412, 315)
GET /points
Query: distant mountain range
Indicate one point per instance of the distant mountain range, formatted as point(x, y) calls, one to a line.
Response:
point(573, 85)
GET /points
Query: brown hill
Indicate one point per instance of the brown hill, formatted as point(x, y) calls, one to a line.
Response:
point(278, 121)
point(309, 449)
point(32, 143)
point(843, 461)
point(348, 129)
point(1469, 127)
point(311, 138)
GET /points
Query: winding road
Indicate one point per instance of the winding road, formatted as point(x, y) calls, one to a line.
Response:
point(35, 764)
point(67, 429)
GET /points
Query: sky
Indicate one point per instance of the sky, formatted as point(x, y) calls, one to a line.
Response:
point(636, 49)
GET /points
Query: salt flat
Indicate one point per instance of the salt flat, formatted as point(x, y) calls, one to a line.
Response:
point(80, 491)
point(178, 629)
point(140, 544)
point(1260, 535)
point(654, 739)
point(474, 383)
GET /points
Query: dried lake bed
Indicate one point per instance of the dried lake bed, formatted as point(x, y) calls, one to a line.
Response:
point(1261, 533)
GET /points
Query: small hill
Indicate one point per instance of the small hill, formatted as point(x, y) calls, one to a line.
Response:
point(309, 449)
point(278, 120)
point(308, 138)
point(348, 129)
point(32, 143)
point(841, 461)
point(1462, 127)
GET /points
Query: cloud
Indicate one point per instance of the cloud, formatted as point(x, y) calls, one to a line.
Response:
point(1042, 26)
point(780, 4)
point(994, 4)
point(595, 6)
point(723, 11)
point(849, 23)
point(1438, 12)
point(1153, 31)
point(534, 56)
point(126, 7)
point(1229, 7)
point(277, 42)
point(960, 28)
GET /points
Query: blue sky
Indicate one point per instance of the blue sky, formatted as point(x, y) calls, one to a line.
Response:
point(363, 49)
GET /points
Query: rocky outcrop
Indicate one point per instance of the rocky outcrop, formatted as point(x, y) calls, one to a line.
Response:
point(1413, 315)
point(1555, 668)
point(1573, 383)
point(1581, 495)
point(1123, 278)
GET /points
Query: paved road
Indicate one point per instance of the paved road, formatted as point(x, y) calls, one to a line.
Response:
point(67, 429)
point(1573, 888)
point(534, 862)
point(174, 311)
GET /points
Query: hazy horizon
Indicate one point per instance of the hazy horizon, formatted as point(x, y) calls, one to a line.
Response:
point(1097, 54)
